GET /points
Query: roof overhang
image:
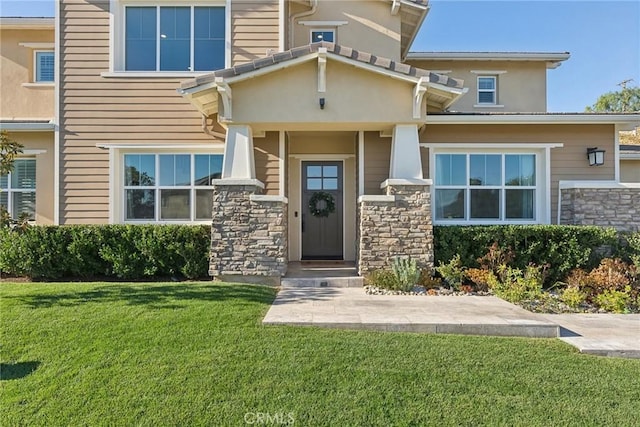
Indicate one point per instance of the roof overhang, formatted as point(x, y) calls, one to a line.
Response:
point(21, 23)
point(412, 15)
point(624, 121)
point(552, 59)
point(203, 92)
point(27, 126)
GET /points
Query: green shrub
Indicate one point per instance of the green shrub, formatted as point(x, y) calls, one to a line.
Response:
point(562, 248)
point(383, 279)
point(514, 285)
point(131, 252)
point(572, 296)
point(614, 301)
point(406, 272)
point(452, 272)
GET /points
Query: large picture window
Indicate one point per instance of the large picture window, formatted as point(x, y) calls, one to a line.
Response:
point(485, 187)
point(174, 38)
point(18, 189)
point(169, 187)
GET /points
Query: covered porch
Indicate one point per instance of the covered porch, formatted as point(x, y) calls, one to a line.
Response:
point(322, 160)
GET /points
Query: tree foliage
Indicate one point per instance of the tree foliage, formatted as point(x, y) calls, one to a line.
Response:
point(623, 101)
point(9, 150)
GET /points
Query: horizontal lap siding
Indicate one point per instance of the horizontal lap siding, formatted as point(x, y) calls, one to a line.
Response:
point(377, 155)
point(98, 110)
point(267, 162)
point(254, 29)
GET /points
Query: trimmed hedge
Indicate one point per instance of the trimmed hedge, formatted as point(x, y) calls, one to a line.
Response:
point(562, 247)
point(125, 252)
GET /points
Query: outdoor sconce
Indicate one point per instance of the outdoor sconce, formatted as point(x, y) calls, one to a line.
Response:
point(595, 156)
point(322, 103)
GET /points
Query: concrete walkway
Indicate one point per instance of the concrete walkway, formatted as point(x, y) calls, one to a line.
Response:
point(351, 308)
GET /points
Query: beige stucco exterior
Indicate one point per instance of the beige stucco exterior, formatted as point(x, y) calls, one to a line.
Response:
point(39, 146)
point(521, 85)
point(21, 97)
point(362, 24)
point(630, 170)
point(289, 99)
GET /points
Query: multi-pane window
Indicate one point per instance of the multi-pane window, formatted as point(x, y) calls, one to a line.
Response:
point(487, 90)
point(169, 187)
point(485, 187)
point(44, 66)
point(174, 38)
point(322, 36)
point(18, 189)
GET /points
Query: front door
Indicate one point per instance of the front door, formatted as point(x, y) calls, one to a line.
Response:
point(322, 209)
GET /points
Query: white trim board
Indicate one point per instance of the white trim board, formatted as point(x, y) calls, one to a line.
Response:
point(481, 146)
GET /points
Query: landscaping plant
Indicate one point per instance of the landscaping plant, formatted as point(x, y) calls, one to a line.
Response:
point(406, 272)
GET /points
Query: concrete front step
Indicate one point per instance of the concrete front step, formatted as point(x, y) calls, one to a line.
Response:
point(322, 282)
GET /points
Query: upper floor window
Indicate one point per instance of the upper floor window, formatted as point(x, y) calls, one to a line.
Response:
point(323, 36)
point(44, 66)
point(174, 38)
point(487, 90)
point(18, 189)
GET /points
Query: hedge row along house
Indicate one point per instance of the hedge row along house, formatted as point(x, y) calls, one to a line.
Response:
point(301, 129)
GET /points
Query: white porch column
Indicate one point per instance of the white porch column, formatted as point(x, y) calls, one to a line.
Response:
point(405, 153)
point(238, 162)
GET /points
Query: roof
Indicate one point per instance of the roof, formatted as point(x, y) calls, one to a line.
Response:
point(626, 121)
point(553, 59)
point(332, 48)
point(20, 22)
point(27, 125)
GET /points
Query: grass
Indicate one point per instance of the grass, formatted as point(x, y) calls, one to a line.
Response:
point(196, 354)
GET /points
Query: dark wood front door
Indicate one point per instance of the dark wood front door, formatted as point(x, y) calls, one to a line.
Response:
point(322, 229)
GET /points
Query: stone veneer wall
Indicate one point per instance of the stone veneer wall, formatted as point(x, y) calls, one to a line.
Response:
point(248, 234)
point(613, 207)
point(396, 225)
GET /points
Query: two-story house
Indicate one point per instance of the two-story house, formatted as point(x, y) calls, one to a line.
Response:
point(305, 129)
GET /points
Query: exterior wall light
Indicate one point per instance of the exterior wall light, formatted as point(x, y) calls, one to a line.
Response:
point(322, 103)
point(595, 156)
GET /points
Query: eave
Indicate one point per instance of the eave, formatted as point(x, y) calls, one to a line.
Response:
point(552, 59)
point(624, 121)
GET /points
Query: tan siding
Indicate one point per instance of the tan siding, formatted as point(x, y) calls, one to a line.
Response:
point(98, 110)
point(630, 170)
point(567, 163)
point(267, 166)
point(377, 155)
point(254, 29)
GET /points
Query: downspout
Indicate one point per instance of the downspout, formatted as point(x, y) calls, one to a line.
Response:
point(210, 132)
point(314, 7)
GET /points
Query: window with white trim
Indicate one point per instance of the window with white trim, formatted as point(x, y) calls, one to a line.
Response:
point(169, 187)
point(174, 38)
point(491, 187)
point(44, 68)
point(323, 36)
point(487, 90)
point(18, 189)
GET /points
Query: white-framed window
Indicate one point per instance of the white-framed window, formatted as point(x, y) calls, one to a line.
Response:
point(323, 35)
point(173, 37)
point(168, 187)
point(18, 189)
point(487, 90)
point(489, 187)
point(44, 66)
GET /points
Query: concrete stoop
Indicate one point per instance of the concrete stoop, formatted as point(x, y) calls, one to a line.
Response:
point(322, 282)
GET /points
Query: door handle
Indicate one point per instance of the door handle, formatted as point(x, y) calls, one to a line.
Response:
point(303, 223)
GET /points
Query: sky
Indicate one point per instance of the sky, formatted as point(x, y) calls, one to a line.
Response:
point(603, 38)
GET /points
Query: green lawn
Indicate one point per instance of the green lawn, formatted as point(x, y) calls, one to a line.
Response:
point(196, 354)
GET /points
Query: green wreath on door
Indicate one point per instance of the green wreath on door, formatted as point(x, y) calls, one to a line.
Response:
point(329, 204)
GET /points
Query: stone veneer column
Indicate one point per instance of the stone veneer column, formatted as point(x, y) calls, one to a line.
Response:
point(397, 224)
point(248, 233)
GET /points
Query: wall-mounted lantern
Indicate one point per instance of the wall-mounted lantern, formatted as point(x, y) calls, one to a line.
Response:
point(595, 156)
